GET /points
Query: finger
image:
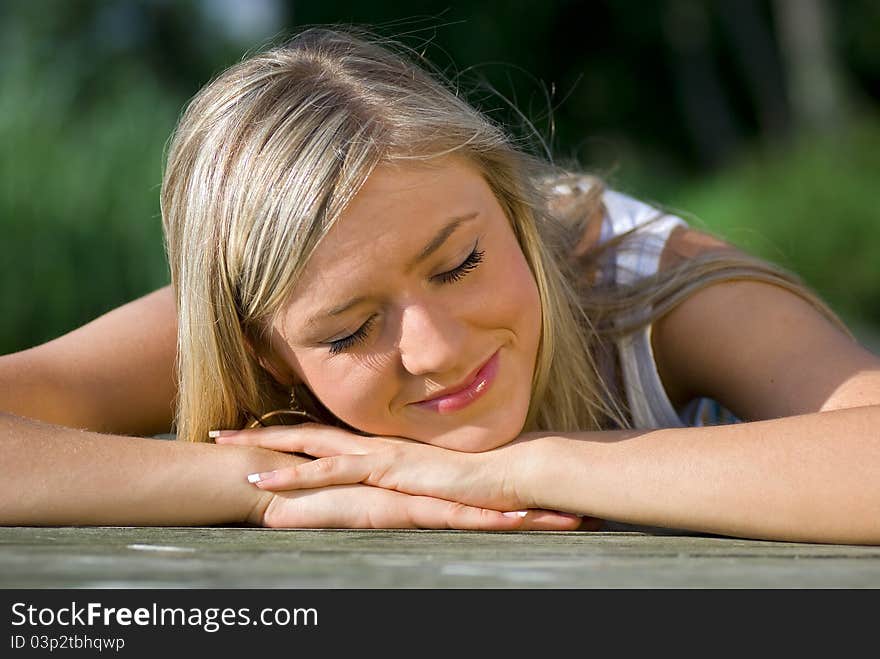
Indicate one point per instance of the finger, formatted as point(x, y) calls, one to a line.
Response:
point(463, 517)
point(360, 506)
point(323, 472)
point(367, 507)
point(310, 438)
point(549, 520)
point(430, 513)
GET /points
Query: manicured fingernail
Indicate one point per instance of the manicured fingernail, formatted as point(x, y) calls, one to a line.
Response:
point(261, 478)
point(516, 513)
point(214, 434)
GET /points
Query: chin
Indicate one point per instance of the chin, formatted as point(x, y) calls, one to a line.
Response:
point(499, 430)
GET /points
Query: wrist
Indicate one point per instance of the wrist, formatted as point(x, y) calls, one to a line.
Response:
point(523, 468)
point(541, 469)
point(257, 513)
point(253, 502)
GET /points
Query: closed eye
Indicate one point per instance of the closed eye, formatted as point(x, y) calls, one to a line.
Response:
point(470, 263)
point(356, 337)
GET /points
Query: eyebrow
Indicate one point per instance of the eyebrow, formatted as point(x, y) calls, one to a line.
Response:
point(435, 243)
point(438, 240)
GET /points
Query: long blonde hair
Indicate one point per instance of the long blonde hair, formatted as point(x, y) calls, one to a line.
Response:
point(266, 158)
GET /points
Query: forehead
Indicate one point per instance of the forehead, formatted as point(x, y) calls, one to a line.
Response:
point(394, 213)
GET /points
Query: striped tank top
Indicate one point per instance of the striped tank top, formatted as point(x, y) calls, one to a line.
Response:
point(648, 402)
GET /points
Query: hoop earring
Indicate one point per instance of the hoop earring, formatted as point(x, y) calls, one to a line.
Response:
point(295, 410)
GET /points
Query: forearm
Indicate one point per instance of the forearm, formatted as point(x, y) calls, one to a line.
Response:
point(52, 475)
point(804, 478)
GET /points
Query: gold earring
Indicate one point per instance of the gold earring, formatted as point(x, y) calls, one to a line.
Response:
point(295, 410)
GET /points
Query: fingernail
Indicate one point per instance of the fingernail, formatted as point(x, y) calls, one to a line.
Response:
point(260, 478)
point(516, 513)
point(214, 434)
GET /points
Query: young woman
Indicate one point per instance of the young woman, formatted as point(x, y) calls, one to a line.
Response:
point(474, 338)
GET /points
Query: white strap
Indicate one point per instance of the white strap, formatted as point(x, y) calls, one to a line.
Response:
point(649, 404)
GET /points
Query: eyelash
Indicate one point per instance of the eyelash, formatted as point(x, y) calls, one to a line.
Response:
point(359, 335)
point(472, 261)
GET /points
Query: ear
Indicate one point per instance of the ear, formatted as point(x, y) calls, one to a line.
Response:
point(282, 376)
point(272, 365)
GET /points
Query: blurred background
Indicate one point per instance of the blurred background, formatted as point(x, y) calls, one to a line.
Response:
point(757, 119)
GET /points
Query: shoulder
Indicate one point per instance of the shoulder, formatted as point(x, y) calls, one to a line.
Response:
point(115, 374)
point(759, 349)
point(685, 242)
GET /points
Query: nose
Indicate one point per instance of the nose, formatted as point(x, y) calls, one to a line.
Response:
point(431, 340)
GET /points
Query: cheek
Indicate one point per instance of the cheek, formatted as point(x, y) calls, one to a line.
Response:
point(516, 295)
point(353, 392)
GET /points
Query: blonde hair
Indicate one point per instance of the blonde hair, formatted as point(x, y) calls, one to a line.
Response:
point(266, 158)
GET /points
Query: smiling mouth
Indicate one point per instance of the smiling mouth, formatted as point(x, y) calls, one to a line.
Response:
point(463, 395)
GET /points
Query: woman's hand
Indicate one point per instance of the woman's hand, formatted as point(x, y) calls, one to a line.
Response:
point(363, 506)
point(428, 478)
point(391, 463)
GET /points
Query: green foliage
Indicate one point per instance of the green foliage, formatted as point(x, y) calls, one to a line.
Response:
point(811, 208)
point(79, 209)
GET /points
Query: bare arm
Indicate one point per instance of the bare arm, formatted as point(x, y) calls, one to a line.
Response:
point(803, 466)
point(810, 478)
point(115, 374)
point(54, 475)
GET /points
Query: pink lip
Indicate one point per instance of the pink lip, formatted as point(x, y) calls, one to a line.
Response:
point(460, 398)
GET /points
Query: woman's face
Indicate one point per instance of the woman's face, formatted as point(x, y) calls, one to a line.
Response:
point(418, 316)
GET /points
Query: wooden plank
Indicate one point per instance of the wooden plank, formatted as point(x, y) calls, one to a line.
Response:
point(223, 557)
